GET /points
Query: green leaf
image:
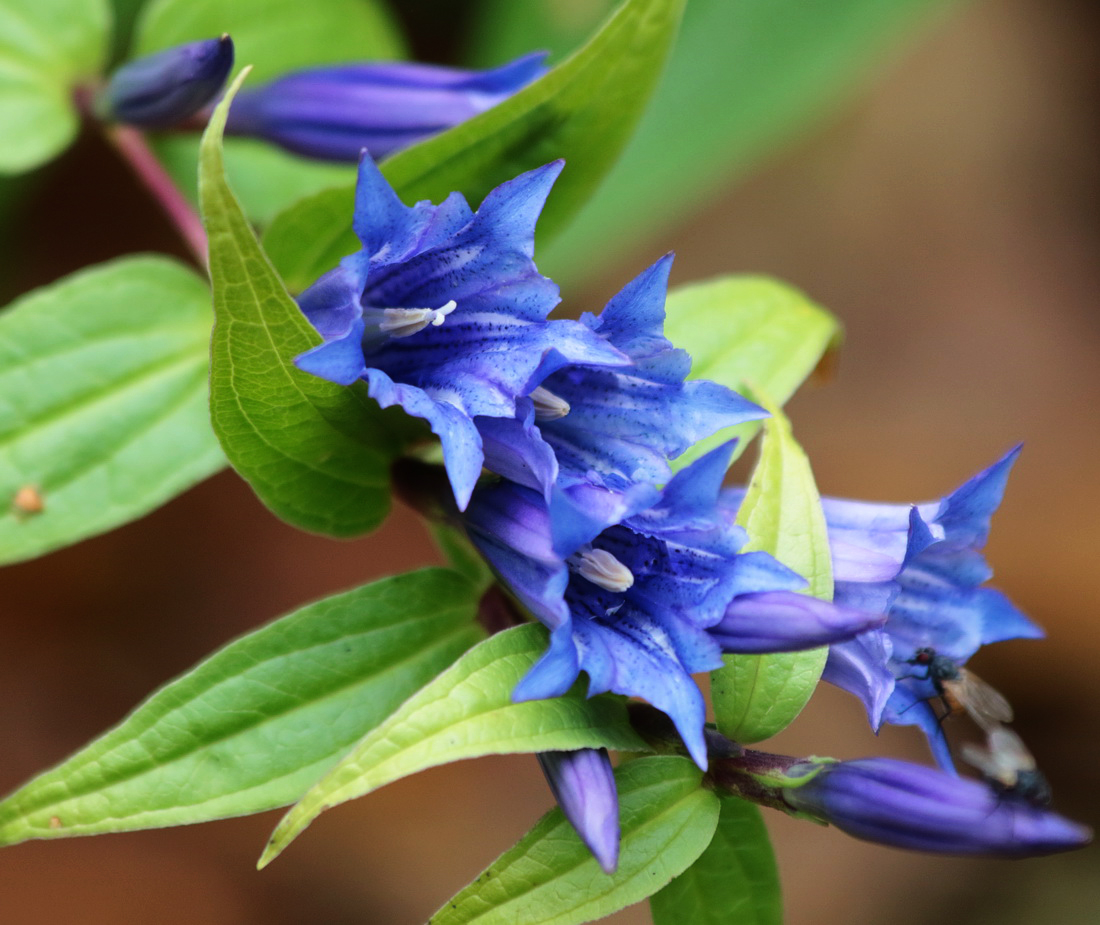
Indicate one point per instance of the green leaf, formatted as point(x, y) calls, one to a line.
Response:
point(755, 696)
point(464, 713)
point(103, 399)
point(47, 47)
point(744, 78)
point(275, 36)
point(583, 110)
point(316, 453)
point(551, 878)
point(734, 880)
point(252, 726)
point(748, 333)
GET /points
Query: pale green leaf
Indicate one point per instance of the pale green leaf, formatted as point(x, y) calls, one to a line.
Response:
point(551, 878)
point(734, 880)
point(755, 696)
point(103, 398)
point(748, 332)
point(252, 726)
point(315, 452)
point(464, 713)
point(47, 47)
point(583, 111)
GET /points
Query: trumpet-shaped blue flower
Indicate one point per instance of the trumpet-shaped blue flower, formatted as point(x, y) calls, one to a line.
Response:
point(612, 427)
point(633, 596)
point(333, 113)
point(166, 88)
point(911, 806)
point(443, 311)
point(922, 567)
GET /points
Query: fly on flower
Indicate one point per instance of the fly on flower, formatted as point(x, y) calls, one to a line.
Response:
point(1009, 767)
point(962, 690)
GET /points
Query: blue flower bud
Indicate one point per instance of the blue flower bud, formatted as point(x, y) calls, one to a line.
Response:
point(920, 808)
point(584, 786)
point(786, 621)
point(333, 113)
point(162, 90)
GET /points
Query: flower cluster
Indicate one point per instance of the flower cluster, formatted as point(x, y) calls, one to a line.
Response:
point(556, 438)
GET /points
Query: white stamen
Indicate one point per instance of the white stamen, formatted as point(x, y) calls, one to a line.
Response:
point(404, 322)
point(602, 569)
point(548, 406)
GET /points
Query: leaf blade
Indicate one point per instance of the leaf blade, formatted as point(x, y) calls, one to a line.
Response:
point(734, 880)
point(550, 878)
point(46, 48)
point(251, 727)
point(755, 696)
point(466, 712)
point(316, 453)
point(103, 378)
point(748, 332)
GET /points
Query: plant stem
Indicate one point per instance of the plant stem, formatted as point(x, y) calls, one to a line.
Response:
point(135, 150)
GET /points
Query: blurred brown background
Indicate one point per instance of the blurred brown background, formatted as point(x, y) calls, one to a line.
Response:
point(949, 216)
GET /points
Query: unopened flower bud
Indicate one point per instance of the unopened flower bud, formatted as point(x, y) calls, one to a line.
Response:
point(584, 786)
point(912, 806)
point(164, 89)
point(333, 113)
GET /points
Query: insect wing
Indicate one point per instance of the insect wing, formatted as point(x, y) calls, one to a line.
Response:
point(986, 706)
point(990, 763)
point(1009, 749)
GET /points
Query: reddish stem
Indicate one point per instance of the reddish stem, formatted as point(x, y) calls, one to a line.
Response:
point(131, 144)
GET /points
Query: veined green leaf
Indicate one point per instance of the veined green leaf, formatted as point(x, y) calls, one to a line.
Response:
point(551, 878)
point(274, 36)
point(583, 110)
point(102, 401)
point(252, 726)
point(464, 713)
point(755, 696)
point(46, 48)
point(734, 880)
point(315, 452)
point(748, 332)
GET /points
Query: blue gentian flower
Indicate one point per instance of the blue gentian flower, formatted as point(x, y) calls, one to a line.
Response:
point(632, 596)
point(443, 311)
point(920, 808)
point(584, 786)
point(164, 89)
point(612, 427)
point(922, 566)
point(616, 426)
point(333, 113)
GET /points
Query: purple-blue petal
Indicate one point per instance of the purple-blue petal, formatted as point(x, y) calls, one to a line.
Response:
point(583, 783)
point(861, 666)
point(785, 621)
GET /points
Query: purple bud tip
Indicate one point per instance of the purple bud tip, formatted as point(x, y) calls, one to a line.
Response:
point(584, 786)
point(923, 809)
point(165, 89)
